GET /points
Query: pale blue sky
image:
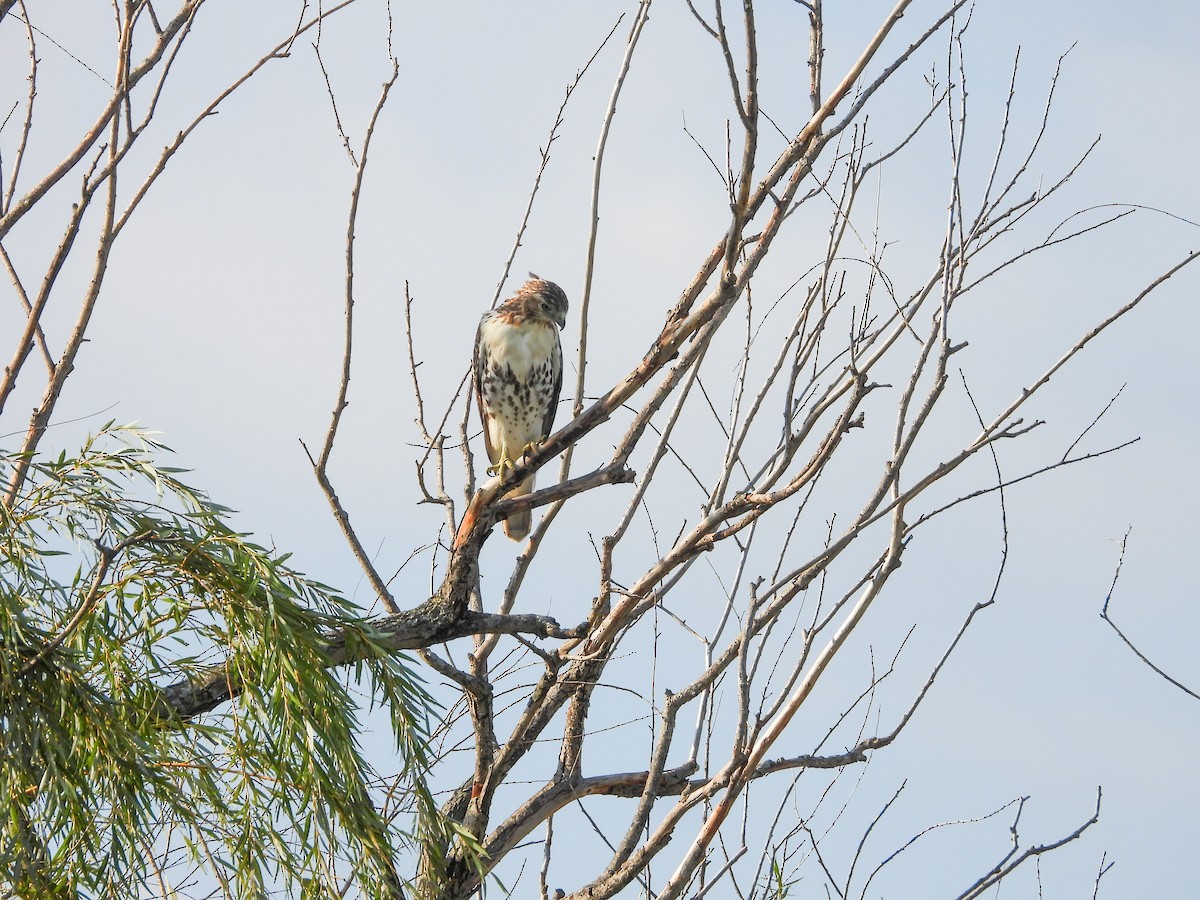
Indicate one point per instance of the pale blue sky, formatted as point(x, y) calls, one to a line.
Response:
point(220, 326)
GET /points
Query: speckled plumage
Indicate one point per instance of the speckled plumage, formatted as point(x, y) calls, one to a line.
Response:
point(518, 377)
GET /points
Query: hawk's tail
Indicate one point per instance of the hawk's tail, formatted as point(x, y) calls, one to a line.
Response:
point(518, 524)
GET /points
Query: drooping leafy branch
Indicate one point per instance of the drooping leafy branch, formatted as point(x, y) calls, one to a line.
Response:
point(117, 578)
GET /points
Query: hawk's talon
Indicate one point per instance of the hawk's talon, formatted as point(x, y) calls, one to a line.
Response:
point(501, 464)
point(506, 462)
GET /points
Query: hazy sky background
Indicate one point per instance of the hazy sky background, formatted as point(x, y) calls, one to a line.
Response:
point(220, 325)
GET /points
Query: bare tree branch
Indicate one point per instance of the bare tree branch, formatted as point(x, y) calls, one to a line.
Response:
point(1128, 643)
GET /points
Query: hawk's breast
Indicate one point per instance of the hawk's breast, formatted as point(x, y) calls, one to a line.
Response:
point(519, 348)
point(518, 381)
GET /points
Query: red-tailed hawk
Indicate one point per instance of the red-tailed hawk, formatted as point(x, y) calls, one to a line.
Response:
point(518, 376)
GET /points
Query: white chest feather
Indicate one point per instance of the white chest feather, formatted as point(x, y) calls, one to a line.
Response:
point(518, 349)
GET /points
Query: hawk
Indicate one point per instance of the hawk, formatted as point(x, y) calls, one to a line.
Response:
point(518, 375)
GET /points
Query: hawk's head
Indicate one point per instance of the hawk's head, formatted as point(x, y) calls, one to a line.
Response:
point(541, 299)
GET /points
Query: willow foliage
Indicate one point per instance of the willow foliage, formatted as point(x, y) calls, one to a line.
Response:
point(116, 579)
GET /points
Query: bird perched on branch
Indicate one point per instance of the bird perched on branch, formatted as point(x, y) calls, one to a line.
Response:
point(518, 375)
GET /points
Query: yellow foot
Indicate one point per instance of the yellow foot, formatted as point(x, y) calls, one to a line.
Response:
point(500, 466)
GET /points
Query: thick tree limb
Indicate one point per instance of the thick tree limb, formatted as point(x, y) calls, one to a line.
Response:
point(433, 622)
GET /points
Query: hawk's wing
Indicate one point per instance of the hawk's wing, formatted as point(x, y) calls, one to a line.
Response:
point(479, 364)
point(556, 372)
